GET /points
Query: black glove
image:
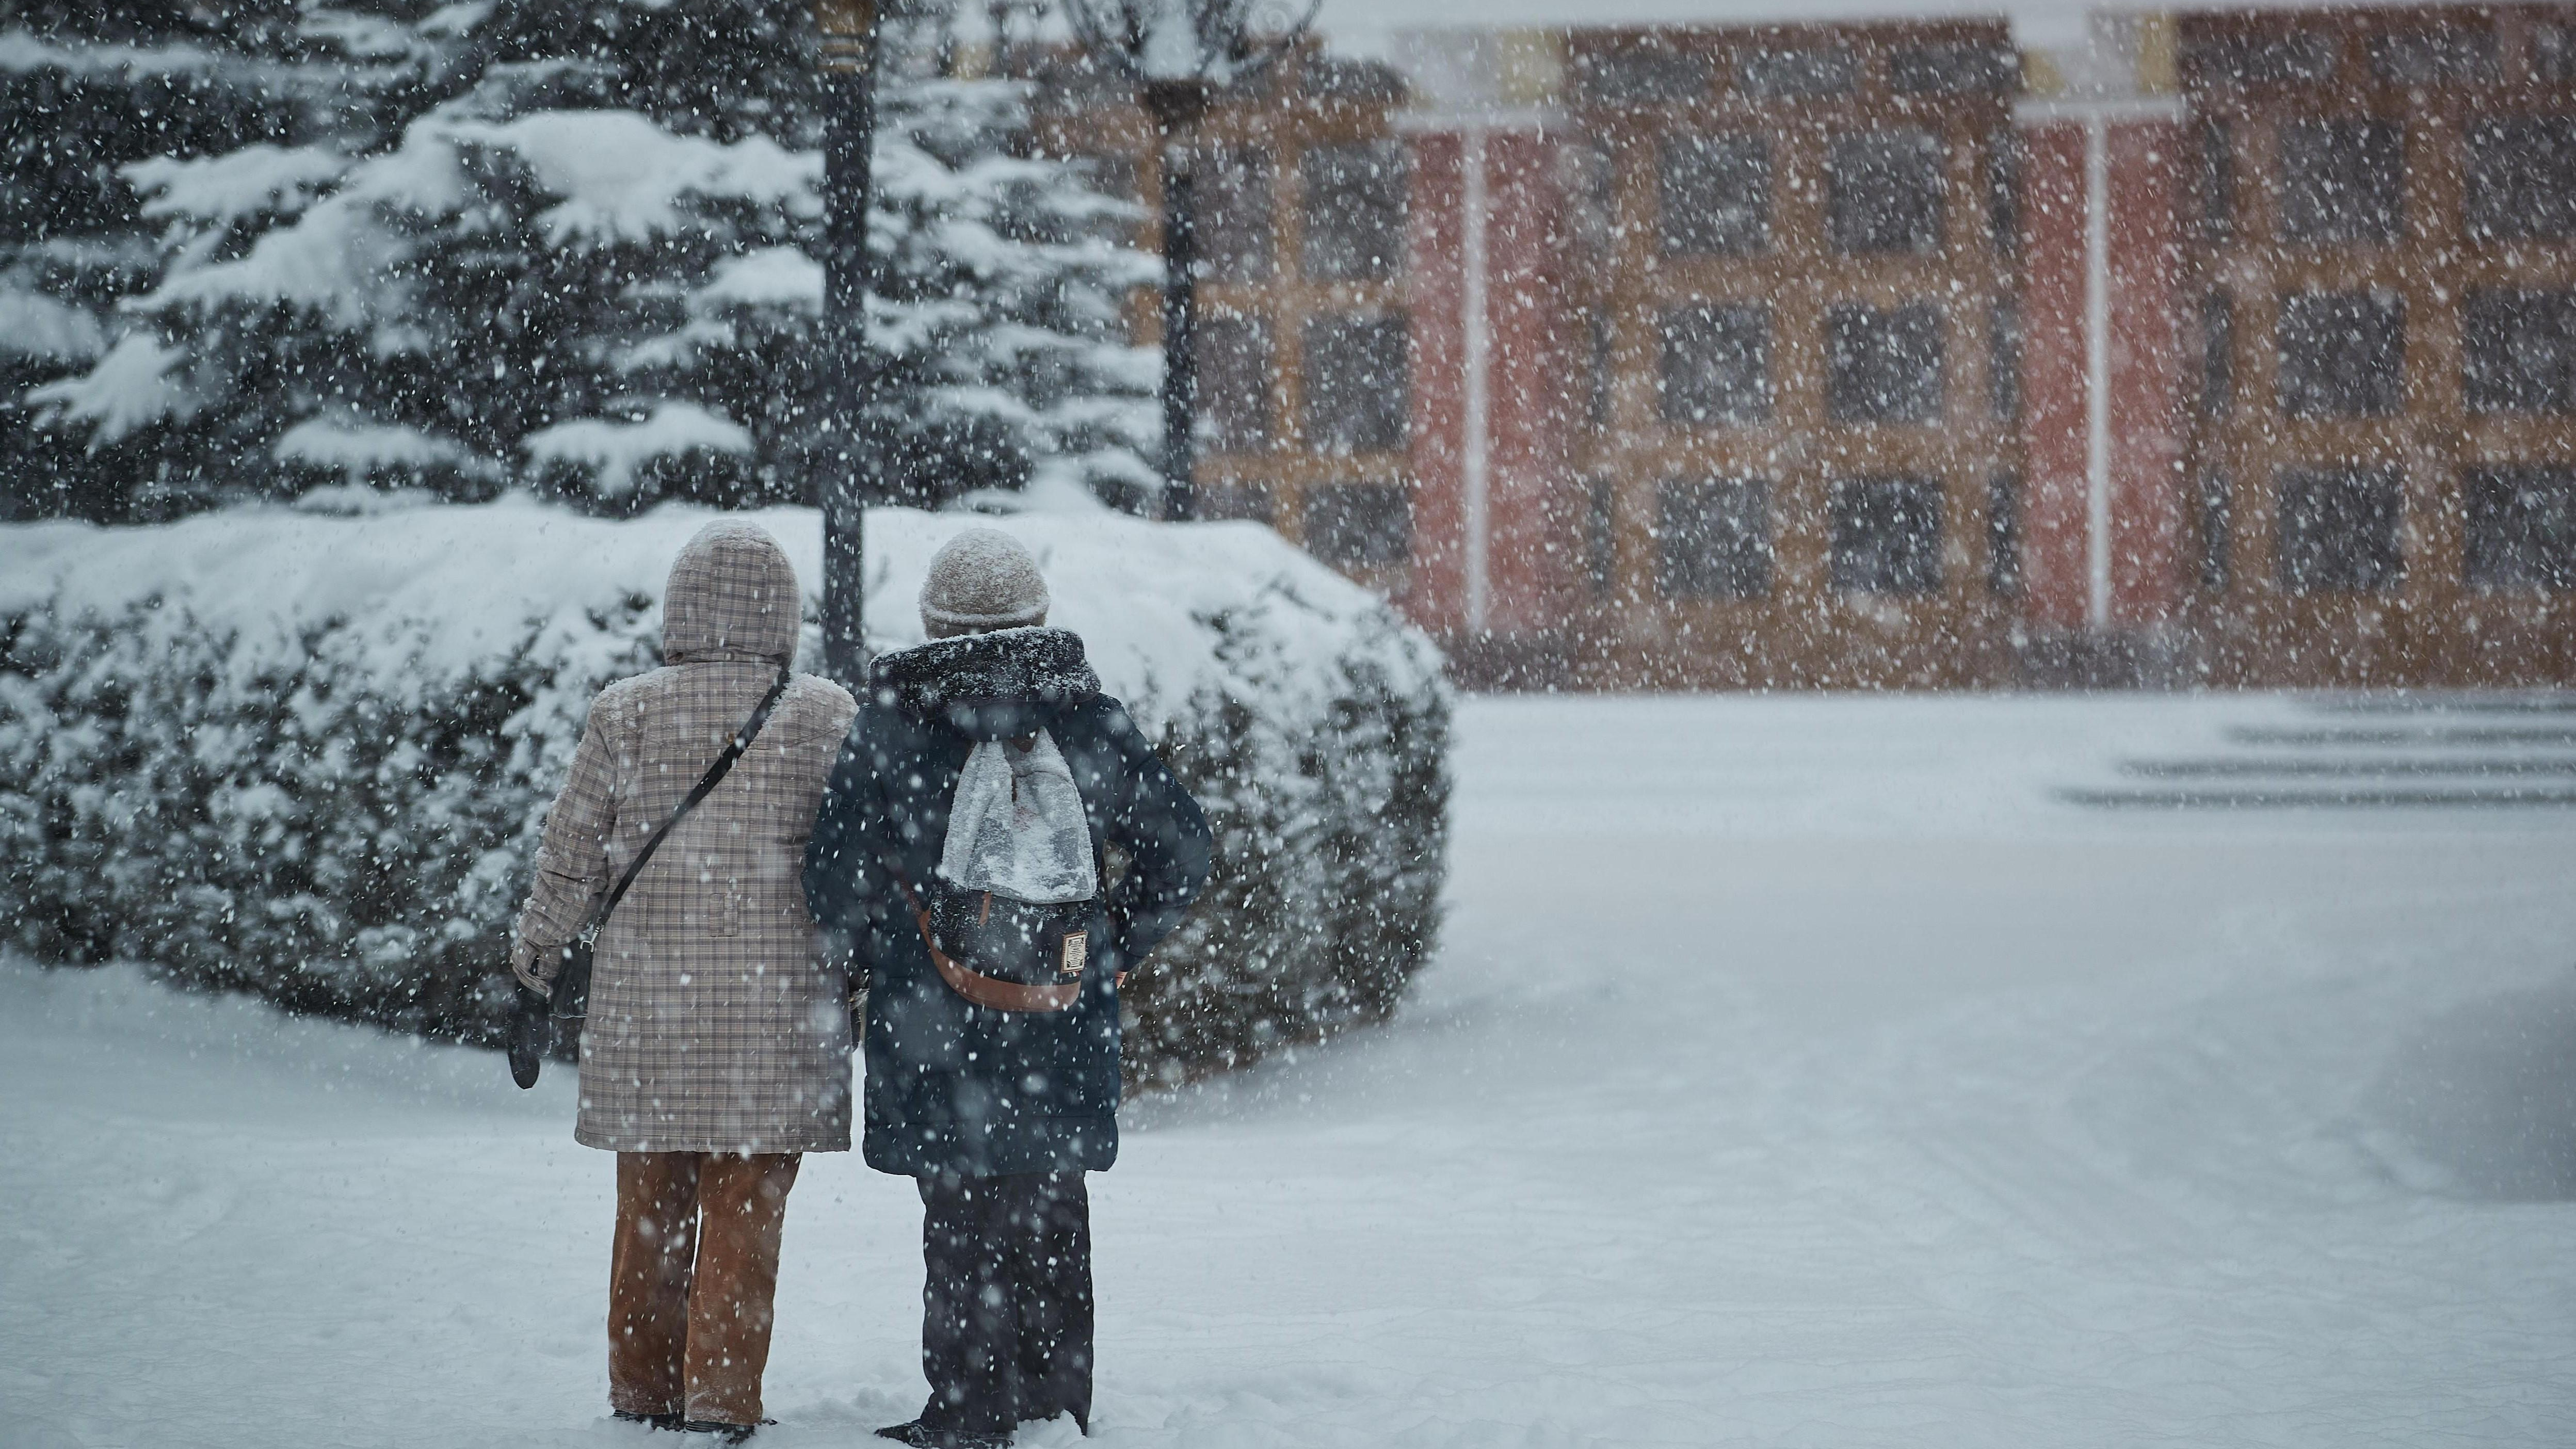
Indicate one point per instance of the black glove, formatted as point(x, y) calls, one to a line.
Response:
point(531, 1036)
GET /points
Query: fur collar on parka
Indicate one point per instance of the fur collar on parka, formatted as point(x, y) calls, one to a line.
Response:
point(1000, 685)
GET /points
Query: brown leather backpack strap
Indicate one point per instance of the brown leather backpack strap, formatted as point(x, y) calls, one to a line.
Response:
point(975, 986)
point(998, 995)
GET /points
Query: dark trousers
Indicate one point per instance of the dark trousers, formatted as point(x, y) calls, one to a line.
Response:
point(1005, 1300)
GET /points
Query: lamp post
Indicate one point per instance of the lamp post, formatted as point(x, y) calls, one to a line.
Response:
point(1176, 107)
point(851, 469)
point(1180, 54)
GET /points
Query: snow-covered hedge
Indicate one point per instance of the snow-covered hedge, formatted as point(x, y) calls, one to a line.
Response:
point(307, 756)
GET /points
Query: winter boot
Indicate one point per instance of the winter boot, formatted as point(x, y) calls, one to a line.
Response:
point(921, 1436)
point(725, 1433)
point(650, 1421)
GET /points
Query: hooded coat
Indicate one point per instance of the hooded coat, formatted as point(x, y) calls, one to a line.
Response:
point(715, 1025)
point(953, 1087)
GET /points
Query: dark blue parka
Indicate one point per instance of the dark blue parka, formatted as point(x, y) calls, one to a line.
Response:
point(951, 1086)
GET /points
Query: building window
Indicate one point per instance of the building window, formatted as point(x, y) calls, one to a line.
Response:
point(2217, 522)
point(1359, 525)
point(1883, 366)
point(2342, 181)
point(1360, 82)
point(2217, 355)
point(2224, 61)
point(2518, 351)
point(1883, 192)
point(1954, 69)
point(1588, 180)
point(1231, 213)
point(1067, 82)
point(1254, 501)
point(1354, 210)
point(1110, 174)
point(2003, 190)
point(2522, 178)
point(2217, 182)
point(1716, 194)
point(1795, 74)
point(1643, 75)
point(1234, 365)
point(2337, 529)
point(1601, 535)
point(1358, 384)
point(2521, 529)
point(2003, 360)
point(1598, 396)
point(2003, 535)
point(1717, 365)
point(2343, 354)
point(1886, 535)
point(2553, 53)
point(1715, 536)
point(2445, 55)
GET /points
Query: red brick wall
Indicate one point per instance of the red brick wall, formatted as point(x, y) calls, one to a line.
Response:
point(1531, 331)
point(2147, 373)
point(1436, 597)
point(2054, 575)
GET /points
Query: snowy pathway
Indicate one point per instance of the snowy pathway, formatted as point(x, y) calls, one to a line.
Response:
point(1797, 1072)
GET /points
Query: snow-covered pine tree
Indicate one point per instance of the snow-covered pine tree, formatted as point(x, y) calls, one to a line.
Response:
point(585, 267)
point(85, 89)
point(116, 122)
point(997, 311)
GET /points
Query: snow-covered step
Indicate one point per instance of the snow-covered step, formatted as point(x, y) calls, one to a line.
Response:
point(2272, 796)
point(2479, 736)
point(2348, 767)
point(2506, 750)
point(2520, 702)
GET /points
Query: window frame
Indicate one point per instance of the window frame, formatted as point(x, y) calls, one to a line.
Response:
point(1922, 571)
point(1710, 554)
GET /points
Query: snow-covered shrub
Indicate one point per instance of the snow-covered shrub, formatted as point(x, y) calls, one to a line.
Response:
point(307, 756)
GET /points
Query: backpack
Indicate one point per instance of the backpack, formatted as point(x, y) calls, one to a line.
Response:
point(1007, 915)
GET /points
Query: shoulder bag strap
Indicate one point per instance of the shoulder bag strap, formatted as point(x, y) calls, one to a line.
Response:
point(706, 786)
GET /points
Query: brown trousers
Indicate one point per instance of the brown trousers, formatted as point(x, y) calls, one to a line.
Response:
point(690, 1279)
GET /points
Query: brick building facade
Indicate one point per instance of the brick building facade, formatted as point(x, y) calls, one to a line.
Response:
point(2381, 249)
point(2230, 347)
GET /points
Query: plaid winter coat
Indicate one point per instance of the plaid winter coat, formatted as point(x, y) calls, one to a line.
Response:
point(714, 1024)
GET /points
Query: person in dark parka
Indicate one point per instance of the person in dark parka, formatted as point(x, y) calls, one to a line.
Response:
point(996, 1114)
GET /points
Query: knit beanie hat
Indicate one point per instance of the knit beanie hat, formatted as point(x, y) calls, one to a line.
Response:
point(982, 579)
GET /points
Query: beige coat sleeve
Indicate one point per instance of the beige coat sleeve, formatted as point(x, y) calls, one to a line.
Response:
point(572, 858)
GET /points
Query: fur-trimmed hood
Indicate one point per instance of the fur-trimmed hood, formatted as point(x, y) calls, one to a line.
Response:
point(1000, 685)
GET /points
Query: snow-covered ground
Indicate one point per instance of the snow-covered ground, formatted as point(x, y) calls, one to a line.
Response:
point(1797, 1071)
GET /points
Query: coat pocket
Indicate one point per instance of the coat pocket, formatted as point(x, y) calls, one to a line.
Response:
point(710, 892)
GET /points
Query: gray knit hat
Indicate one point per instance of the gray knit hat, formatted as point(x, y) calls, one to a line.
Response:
point(982, 579)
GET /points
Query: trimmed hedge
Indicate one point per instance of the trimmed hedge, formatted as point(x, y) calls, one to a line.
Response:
point(307, 788)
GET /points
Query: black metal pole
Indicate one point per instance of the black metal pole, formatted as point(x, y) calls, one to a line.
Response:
point(853, 463)
point(1180, 317)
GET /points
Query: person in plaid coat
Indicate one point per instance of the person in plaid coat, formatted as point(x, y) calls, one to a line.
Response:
point(717, 1045)
point(996, 1114)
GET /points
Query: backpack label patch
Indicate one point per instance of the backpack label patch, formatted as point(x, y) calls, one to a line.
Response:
point(1077, 950)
